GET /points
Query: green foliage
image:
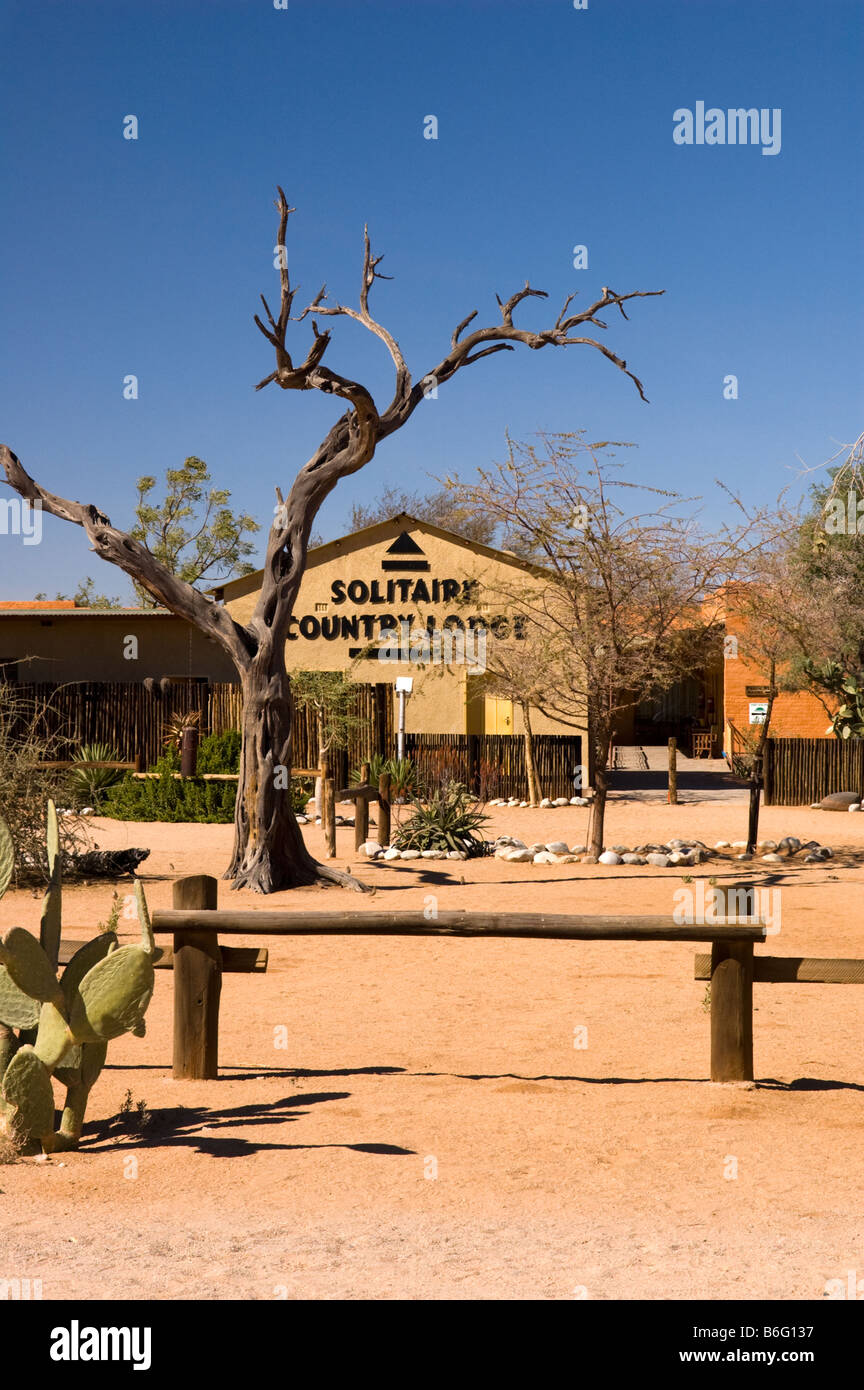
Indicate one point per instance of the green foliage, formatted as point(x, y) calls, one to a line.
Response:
point(85, 596)
point(169, 798)
point(331, 696)
point(104, 991)
point(404, 779)
point(449, 819)
point(192, 531)
point(847, 687)
point(92, 782)
point(220, 752)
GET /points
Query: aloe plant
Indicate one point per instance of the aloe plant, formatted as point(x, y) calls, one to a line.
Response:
point(63, 1026)
point(448, 819)
point(92, 781)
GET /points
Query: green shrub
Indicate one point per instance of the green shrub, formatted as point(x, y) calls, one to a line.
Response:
point(168, 798)
point(220, 752)
point(404, 781)
point(90, 783)
point(448, 819)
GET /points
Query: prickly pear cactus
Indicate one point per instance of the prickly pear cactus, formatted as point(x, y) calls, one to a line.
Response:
point(63, 1026)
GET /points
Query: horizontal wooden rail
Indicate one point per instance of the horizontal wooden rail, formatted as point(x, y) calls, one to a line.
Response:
point(236, 960)
point(794, 970)
point(195, 923)
point(540, 926)
point(79, 762)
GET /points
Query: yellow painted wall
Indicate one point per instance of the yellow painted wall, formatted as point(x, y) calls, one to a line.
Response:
point(445, 699)
point(91, 647)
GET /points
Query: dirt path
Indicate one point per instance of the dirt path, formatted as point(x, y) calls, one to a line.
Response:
point(411, 1118)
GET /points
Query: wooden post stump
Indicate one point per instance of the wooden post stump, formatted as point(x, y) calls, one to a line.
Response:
point(361, 811)
point(732, 1011)
point(673, 772)
point(328, 816)
point(384, 809)
point(189, 753)
point(197, 986)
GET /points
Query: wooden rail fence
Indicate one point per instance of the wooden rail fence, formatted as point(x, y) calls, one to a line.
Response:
point(195, 924)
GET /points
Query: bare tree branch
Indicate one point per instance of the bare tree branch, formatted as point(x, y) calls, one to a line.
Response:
point(130, 555)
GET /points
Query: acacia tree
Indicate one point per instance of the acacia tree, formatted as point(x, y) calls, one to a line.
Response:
point(269, 852)
point(623, 613)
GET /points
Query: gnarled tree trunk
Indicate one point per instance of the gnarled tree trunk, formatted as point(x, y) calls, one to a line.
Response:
point(269, 850)
point(530, 765)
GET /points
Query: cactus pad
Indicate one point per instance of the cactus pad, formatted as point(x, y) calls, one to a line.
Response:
point(28, 1094)
point(28, 965)
point(17, 1009)
point(113, 996)
point(104, 991)
point(53, 1040)
point(83, 960)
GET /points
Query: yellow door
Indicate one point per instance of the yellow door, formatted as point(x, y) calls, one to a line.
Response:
point(498, 715)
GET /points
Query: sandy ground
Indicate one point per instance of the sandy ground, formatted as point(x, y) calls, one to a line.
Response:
point(411, 1119)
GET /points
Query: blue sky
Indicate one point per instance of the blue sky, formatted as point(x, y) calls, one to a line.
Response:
point(555, 129)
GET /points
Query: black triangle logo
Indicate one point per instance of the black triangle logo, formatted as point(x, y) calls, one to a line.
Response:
point(404, 545)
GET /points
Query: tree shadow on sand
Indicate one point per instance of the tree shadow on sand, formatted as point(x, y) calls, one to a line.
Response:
point(192, 1127)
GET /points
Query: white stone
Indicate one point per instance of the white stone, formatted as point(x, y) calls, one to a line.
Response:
point(370, 847)
point(410, 854)
point(302, 820)
point(660, 861)
point(87, 811)
point(523, 803)
point(432, 854)
point(544, 857)
point(772, 859)
point(739, 844)
point(608, 857)
point(722, 844)
point(546, 801)
point(519, 856)
point(558, 847)
point(578, 849)
point(632, 859)
point(456, 854)
point(392, 853)
point(561, 801)
point(856, 806)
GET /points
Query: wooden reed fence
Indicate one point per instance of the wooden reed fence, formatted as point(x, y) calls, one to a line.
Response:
point(131, 717)
point(494, 764)
point(801, 770)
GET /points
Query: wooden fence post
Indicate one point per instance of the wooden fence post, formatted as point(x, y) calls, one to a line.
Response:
point(189, 753)
point(361, 811)
point(197, 986)
point(673, 773)
point(328, 816)
point(384, 809)
point(732, 1011)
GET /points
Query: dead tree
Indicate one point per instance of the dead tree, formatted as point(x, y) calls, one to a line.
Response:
point(269, 852)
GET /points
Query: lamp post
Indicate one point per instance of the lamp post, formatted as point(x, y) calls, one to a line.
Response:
point(404, 686)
